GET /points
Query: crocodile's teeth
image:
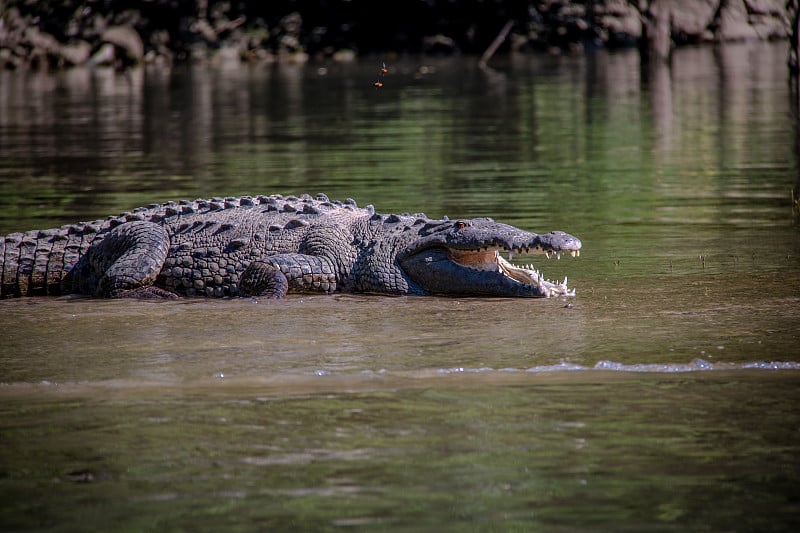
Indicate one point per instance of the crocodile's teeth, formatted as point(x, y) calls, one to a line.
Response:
point(573, 253)
point(510, 255)
point(548, 253)
point(558, 255)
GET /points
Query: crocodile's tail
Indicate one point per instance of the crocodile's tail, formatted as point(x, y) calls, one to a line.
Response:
point(35, 263)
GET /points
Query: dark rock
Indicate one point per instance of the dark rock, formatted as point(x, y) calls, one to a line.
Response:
point(40, 41)
point(769, 18)
point(690, 19)
point(733, 23)
point(126, 39)
point(76, 53)
point(104, 56)
point(620, 22)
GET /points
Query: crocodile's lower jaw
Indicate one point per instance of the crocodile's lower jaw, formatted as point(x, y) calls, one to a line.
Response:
point(492, 261)
point(530, 276)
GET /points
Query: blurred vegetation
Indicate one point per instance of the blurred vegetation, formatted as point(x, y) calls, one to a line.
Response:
point(57, 33)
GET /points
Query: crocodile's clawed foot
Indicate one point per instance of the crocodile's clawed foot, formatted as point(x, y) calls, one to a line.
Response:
point(264, 280)
point(146, 293)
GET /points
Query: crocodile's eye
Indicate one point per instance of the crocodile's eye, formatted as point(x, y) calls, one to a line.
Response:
point(461, 224)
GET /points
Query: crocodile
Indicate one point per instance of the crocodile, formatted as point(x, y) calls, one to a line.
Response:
point(266, 246)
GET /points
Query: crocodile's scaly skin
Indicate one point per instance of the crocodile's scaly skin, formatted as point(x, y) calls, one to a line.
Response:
point(265, 245)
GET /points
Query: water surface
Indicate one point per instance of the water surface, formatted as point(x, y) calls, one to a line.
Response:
point(662, 397)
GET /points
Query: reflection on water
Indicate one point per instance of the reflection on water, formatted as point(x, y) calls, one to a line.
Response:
point(662, 398)
point(551, 132)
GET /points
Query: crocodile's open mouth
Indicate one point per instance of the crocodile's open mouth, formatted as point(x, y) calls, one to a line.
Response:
point(490, 260)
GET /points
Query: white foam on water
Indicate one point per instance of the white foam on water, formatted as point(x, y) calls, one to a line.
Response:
point(697, 365)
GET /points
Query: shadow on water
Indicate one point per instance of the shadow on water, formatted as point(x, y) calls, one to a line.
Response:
point(662, 397)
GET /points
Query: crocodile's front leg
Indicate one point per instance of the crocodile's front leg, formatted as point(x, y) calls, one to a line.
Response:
point(127, 261)
point(274, 275)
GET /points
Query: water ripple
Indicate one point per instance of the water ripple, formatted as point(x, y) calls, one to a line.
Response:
point(697, 365)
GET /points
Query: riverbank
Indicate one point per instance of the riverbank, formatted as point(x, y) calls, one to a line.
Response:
point(56, 35)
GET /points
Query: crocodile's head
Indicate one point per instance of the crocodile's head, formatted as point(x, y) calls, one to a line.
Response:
point(462, 257)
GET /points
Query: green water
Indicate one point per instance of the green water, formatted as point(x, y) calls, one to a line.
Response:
point(660, 453)
point(663, 397)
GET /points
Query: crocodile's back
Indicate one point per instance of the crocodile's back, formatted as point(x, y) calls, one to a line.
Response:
point(210, 250)
point(41, 262)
